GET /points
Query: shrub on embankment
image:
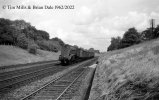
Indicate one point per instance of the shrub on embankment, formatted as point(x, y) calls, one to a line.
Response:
point(128, 74)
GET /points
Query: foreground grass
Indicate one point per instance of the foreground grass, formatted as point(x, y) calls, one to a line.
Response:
point(128, 74)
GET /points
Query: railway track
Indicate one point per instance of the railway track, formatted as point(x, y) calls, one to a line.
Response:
point(25, 65)
point(16, 72)
point(61, 88)
point(12, 79)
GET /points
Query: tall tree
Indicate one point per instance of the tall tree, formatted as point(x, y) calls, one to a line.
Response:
point(147, 34)
point(115, 43)
point(156, 32)
point(130, 37)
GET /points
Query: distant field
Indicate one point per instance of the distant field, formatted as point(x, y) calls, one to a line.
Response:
point(11, 55)
point(128, 74)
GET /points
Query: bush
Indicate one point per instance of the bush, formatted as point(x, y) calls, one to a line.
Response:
point(32, 48)
point(47, 45)
point(22, 41)
point(43, 45)
point(54, 49)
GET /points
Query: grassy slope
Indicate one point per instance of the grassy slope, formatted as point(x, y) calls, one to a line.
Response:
point(10, 55)
point(128, 74)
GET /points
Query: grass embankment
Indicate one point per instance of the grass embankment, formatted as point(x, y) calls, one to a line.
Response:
point(128, 74)
point(11, 55)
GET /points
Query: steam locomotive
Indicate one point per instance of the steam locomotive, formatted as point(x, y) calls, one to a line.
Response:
point(72, 54)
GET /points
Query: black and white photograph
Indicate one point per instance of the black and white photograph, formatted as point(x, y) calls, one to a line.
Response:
point(79, 49)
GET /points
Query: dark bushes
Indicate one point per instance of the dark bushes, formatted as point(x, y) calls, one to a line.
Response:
point(132, 37)
point(33, 48)
point(47, 45)
point(21, 33)
point(129, 38)
point(22, 41)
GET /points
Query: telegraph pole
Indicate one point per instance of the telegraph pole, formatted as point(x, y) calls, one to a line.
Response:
point(152, 25)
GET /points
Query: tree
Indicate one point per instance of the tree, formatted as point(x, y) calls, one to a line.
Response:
point(156, 32)
point(130, 37)
point(4, 22)
point(34, 34)
point(115, 43)
point(43, 34)
point(22, 41)
point(8, 35)
point(58, 40)
point(147, 34)
point(21, 33)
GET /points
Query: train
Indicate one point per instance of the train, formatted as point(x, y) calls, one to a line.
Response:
point(73, 54)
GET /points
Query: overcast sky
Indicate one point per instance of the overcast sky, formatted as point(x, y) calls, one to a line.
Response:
point(91, 24)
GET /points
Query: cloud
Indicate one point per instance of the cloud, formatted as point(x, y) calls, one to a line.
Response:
point(92, 23)
point(83, 16)
point(91, 13)
point(99, 22)
point(133, 19)
point(103, 30)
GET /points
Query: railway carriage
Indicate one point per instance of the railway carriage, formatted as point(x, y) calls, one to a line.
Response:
point(71, 54)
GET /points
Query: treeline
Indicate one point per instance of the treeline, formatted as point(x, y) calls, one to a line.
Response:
point(22, 34)
point(132, 36)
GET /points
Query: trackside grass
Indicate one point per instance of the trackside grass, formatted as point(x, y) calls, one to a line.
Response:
point(128, 74)
point(12, 55)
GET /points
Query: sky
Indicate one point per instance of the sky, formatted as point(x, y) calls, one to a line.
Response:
point(91, 23)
